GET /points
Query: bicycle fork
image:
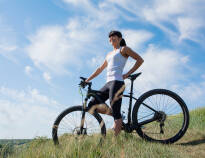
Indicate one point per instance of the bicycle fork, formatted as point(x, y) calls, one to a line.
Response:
point(82, 129)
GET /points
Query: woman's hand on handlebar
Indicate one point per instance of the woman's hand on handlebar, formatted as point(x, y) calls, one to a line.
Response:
point(86, 81)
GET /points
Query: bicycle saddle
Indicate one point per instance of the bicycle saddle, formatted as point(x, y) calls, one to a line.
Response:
point(134, 76)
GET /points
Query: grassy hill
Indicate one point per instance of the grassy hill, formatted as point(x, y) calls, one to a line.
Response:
point(14, 141)
point(192, 145)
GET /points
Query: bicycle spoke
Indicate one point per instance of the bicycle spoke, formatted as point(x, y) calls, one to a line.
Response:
point(145, 116)
point(70, 124)
point(169, 108)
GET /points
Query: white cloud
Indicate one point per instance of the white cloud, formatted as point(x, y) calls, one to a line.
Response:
point(96, 61)
point(85, 4)
point(192, 93)
point(82, 31)
point(185, 59)
point(101, 13)
point(8, 42)
point(28, 70)
point(47, 76)
point(55, 48)
point(26, 113)
point(7, 37)
point(75, 1)
point(136, 38)
point(179, 19)
point(189, 28)
point(52, 49)
point(167, 69)
point(184, 15)
point(161, 68)
point(58, 49)
point(7, 48)
point(29, 96)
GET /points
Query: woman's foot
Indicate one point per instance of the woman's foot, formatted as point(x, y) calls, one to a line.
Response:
point(117, 126)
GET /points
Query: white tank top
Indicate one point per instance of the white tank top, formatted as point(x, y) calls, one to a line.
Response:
point(116, 63)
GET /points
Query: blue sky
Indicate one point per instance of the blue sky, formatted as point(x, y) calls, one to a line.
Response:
point(45, 46)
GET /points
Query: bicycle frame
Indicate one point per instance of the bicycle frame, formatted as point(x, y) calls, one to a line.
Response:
point(141, 113)
point(130, 126)
point(130, 102)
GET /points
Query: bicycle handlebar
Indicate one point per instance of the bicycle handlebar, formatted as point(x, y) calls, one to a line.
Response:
point(83, 84)
point(83, 78)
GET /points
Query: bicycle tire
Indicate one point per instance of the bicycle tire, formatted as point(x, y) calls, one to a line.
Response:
point(67, 113)
point(179, 119)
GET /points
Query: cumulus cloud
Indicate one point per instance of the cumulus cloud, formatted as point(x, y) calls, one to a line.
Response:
point(160, 69)
point(55, 48)
point(185, 16)
point(28, 110)
point(178, 19)
point(136, 38)
point(50, 48)
point(191, 93)
point(190, 29)
point(167, 69)
point(29, 96)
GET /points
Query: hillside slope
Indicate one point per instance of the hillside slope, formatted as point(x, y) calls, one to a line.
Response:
point(192, 145)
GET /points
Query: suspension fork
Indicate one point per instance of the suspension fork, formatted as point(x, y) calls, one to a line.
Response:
point(83, 115)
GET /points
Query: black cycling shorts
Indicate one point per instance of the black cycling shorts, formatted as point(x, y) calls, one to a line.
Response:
point(112, 90)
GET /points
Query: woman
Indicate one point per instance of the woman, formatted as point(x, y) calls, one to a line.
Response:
point(115, 62)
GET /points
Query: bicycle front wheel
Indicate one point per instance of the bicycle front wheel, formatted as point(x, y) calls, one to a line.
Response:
point(171, 113)
point(69, 121)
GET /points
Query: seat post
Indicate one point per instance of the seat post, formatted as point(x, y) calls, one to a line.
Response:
point(131, 89)
point(130, 102)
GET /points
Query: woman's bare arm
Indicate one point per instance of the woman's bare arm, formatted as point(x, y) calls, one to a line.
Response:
point(129, 52)
point(98, 71)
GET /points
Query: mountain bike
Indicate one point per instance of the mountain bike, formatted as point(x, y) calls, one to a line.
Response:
point(158, 115)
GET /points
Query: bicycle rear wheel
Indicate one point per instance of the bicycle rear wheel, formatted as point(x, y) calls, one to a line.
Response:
point(173, 116)
point(68, 124)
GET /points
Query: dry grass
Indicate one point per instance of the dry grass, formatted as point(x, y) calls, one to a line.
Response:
point(192, 145)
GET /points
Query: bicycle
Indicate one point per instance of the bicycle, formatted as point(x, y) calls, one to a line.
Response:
point(152, 120)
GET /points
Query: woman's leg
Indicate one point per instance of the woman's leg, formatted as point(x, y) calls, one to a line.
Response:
point(101, 107)
point(117, 126)
point(115, 95)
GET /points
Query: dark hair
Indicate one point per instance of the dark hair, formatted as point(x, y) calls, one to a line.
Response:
point(122, 42)
point(118, 34)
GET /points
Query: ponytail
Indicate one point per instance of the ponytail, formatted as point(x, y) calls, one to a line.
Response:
point(122, 42)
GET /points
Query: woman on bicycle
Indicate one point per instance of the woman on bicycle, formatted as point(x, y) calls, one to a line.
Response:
point(115, 62)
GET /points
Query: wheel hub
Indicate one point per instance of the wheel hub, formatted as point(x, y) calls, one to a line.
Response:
point(77, 131)
point(161, 116)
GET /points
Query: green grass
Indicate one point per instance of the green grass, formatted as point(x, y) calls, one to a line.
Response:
point(192, 145)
